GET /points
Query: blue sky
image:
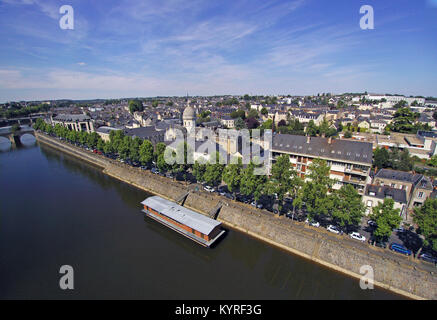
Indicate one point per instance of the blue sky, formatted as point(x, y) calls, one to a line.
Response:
point(145, 48)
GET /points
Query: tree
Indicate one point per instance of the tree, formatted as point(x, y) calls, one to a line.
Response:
point(134, 149)
point(386, 217)
point(199, 171)
point(92, 140)
point(381, 158)
point(240, 124)
point(348, 134)
point(312, 129)
point(404, 121)
point(282, 123)
point(124, 147)
point(253, 114)
point(314, 192)
point(251, 123)
point(146, 152)
point(238, 114)
point(159, 149)
point(267, 124)
point(232, 175)
point(264, 111)
point(426, 219)
point(282, 178)
point(214, 172)
point(347, 207)
point(252, 184)
point(135, 105)
point(161, 163)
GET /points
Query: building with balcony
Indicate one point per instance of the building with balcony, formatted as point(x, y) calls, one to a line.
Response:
point(350, 161)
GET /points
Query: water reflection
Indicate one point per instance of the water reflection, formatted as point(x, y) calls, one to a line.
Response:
point(5, 144)
point(28, 140)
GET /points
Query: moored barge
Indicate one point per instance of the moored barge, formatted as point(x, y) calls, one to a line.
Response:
point(192, 225)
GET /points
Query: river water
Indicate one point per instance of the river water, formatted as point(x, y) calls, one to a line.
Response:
point(56, 210)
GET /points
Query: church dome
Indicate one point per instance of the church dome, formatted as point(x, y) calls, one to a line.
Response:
point(189, 113)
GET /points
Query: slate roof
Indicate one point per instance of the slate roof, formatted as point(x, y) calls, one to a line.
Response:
point(382, 192)
point(416, 179)
point(318, 147)
point(72, 117)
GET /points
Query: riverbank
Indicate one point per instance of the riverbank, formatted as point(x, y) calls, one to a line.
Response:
point(396, 273)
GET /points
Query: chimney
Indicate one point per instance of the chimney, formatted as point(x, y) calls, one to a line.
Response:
point(308, 139)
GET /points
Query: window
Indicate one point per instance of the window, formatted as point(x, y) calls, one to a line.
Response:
point(420, 195)
point(369, 203)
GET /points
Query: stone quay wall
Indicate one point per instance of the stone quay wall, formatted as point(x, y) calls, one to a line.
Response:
point(402, 275)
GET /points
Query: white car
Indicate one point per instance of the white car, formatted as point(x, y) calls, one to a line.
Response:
point(313, 223)
point(357, 236)
point(208, 188)
point(333, 229)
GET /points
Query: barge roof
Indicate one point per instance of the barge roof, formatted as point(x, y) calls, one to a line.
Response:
point(181, 214)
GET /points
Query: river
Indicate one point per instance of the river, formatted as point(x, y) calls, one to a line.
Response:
point(56, 210)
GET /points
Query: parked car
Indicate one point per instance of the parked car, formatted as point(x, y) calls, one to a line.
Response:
point(154, 170)
point(230, 196)
point(333, 229)
point(400, 248)
point(169, 175)
point(371, 223)
point(427, 257)
point(312, 223)
point(357, 236)
point(208, 188)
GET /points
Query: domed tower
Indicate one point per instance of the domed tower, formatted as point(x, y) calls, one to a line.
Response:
point(189, 118)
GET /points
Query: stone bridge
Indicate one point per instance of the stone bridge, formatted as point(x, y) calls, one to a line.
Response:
point(15, 137)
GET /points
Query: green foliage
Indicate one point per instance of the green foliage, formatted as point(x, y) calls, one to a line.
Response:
point(404, 121)
point(386, 217)
point(135, 105)
point(159, 149)
point(232, 175)
point(426, 219)
point(347, 207)
point(268, 124)
point(238, 114)
point(264, 111)
point(18, 111)
point(294, 127)
point(146, 152)
point(394, 159)
point(252, 184)
point(240, 124)
point(284, 179)
point(253, 114)
point(199, 171)
point(314, 192)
